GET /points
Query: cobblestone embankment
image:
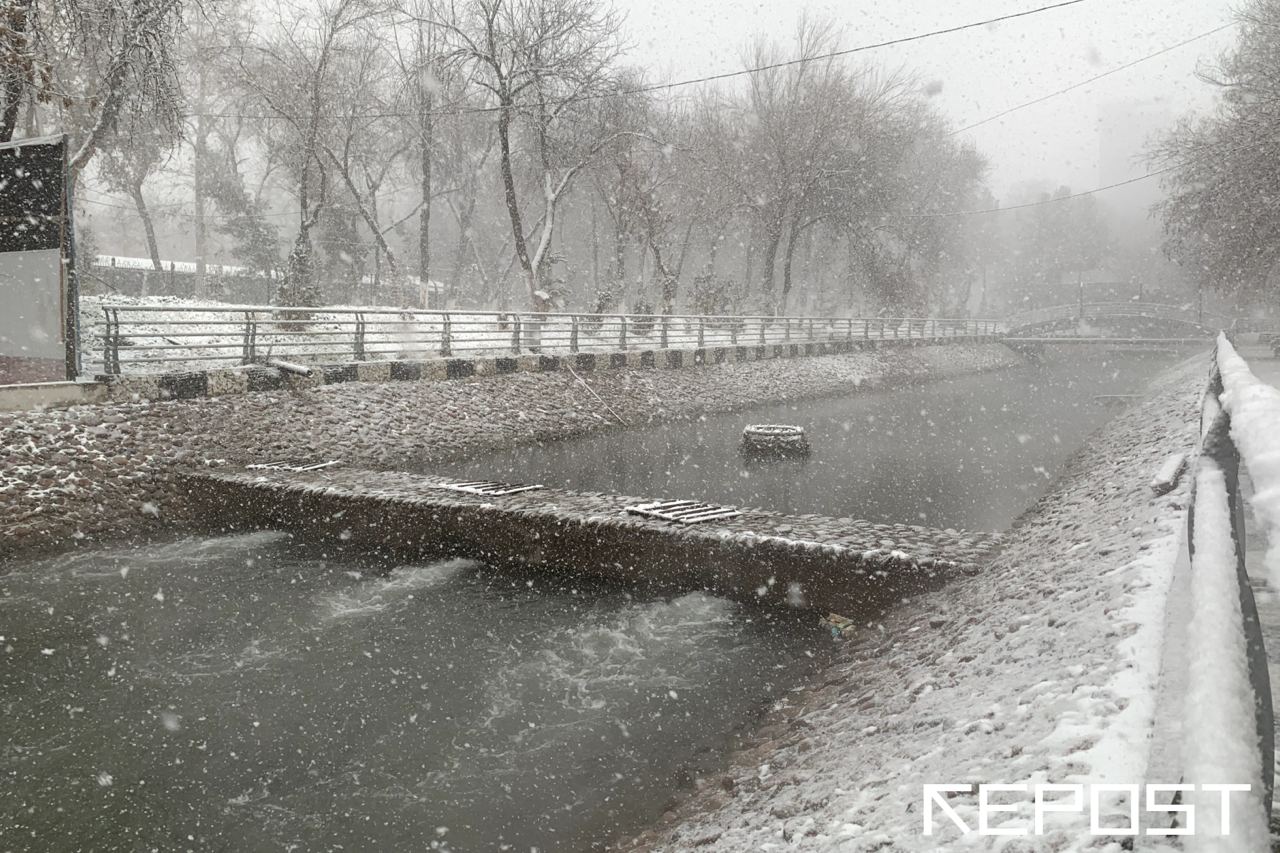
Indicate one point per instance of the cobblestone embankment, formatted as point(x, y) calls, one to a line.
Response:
point(1041, 668)
point(105, 471)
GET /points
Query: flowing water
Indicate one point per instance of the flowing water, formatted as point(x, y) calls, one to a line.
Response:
point(971, 451)
point(250, 693)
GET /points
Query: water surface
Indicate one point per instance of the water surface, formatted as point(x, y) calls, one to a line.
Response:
point(243, 693)
point(968, 452)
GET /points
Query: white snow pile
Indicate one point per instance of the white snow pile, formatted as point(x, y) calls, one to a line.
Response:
point(1043, 668)
point(1254, 407)
point(1220, 742)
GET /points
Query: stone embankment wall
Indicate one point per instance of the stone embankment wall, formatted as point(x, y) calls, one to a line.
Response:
point(843, 565)
point(91, 472)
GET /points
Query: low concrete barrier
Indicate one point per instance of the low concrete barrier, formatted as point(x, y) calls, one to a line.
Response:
point(205, 383)
point(830, 564)
point(41, 395)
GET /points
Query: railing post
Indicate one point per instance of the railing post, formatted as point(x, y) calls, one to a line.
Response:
point(573, 333)
point(849, 330)
point(702, 331)
point(515, 333)
point(662, 331)
point(111, 342)
point(760, 320)
point(622, 332)
point(446, 336)
point(358, 343)
point(786, 335)
point(733, 331)
point(811, 329)
point(249, 353)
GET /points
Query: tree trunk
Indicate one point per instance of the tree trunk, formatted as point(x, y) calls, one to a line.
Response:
point(509, 194)
point(425, 143)
point(153, 247)
point(199, 154)
point(667, 282)
point(772, 238)
point(595, 252)
point(464, 239)
point(15, 29)
point(787, 257)
point(684, 249)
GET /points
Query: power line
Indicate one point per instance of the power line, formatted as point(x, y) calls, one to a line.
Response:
point(1171, 168)
point(1042, 202)
point(1089, 80)
point(710, 78)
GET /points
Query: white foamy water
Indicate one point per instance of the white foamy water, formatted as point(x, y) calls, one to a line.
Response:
point(371, 595)
point(586, 668)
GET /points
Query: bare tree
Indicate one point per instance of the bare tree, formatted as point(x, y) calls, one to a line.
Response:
point(126, 165)
point(539, 61)
point(292, 73)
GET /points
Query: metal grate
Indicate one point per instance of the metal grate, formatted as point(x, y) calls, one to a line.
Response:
point(289, 465)
point(489, 488)
point(685, 512)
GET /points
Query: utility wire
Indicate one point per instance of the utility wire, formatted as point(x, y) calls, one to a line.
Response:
point(1154, 174)
point(1092, 79)
point(710, 78)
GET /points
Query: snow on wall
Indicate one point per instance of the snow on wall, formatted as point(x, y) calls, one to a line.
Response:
point(1254, 407)
point(1221, 742)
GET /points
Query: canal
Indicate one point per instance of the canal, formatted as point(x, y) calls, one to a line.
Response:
point(251, 692)
point(967, 452)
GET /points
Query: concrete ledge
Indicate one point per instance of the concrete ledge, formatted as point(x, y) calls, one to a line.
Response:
point(181, 386)
point(42, 395)
point(829, 564)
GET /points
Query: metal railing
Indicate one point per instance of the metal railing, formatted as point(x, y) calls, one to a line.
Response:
point(153, 338)
point(1193, 315)
point(1218, 452)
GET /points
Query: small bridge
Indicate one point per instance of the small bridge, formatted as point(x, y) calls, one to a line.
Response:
point(1135, 325)
point(836, 565)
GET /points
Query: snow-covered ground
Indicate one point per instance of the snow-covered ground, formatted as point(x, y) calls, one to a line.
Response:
point(199, 335)
point(1043, 668)
point(101, 471)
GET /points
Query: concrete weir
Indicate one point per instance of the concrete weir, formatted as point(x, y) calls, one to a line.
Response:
point(829, 564)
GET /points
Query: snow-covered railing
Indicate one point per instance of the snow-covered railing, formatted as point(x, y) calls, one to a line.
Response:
point(1228, 723)
point(134, 338)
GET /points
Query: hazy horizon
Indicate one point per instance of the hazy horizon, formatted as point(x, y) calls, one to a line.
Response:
point(982, 71)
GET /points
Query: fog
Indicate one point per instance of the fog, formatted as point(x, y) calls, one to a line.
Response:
point(982, 72)
point(639, 425)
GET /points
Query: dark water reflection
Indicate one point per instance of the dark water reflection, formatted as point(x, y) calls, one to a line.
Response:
point(968, 452)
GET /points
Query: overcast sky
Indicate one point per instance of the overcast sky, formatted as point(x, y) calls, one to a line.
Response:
point(982, 71)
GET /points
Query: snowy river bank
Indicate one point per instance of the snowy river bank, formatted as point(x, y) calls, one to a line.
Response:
point(1043, 668)
point(102, 472)
point(274, 692)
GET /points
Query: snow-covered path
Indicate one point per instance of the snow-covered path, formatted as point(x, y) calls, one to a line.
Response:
point(1042, 669)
